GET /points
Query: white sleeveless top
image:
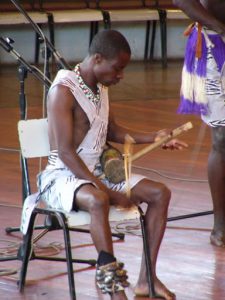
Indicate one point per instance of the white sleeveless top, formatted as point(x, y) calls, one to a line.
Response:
point(97, 113)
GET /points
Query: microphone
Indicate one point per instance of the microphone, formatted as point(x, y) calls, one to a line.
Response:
point(6, 44)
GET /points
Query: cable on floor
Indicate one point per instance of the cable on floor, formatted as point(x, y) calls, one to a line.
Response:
point(169, 176)
point(11, 250)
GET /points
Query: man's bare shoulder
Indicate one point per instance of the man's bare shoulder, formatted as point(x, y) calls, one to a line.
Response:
point(61, 95)
point(58, 90)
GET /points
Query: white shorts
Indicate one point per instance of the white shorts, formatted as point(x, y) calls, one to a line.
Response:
point(63, 186)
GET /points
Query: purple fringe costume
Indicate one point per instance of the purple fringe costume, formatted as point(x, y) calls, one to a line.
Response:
point(193, 97)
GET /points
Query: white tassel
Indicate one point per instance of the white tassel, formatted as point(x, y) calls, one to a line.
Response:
point(193, 87)
point(187, 85)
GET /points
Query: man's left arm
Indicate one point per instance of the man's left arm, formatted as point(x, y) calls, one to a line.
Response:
point(117, 133)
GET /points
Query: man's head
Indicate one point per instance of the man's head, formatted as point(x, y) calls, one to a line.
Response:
point(111, 53)
point(109, 43)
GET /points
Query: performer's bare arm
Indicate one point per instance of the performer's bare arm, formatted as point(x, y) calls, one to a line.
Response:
point(116, 133)
point(67, 127)
point(209, 13)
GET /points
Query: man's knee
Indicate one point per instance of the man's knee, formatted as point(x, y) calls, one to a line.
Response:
point(164, 194)
point(161, 196)
point(153, 193)
point(99, 201)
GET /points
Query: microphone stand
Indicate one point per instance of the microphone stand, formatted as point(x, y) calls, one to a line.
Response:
point(50, 46)
point(6, 45)
point(22, 74)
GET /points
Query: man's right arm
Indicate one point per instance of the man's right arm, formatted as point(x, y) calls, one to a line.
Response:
point(199, 13)
point(62, 124)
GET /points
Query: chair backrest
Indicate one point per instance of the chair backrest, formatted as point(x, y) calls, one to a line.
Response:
point(33, 138)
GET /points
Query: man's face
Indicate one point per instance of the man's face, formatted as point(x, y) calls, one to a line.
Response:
point(110, 71)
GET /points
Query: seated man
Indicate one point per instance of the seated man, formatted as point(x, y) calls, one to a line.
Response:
point(80, 122)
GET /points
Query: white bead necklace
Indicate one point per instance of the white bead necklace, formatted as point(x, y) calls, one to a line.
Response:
point(95, 98)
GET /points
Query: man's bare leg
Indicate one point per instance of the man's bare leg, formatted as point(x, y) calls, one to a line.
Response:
point(157, 196)
point(97, 204)
point(216, 176)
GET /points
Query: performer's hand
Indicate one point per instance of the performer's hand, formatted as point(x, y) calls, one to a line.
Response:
point(174, 145)
point(162, 133)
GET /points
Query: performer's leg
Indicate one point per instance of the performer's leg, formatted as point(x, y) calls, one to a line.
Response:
point(96, 202)
point(216, 176)
point(157, 197)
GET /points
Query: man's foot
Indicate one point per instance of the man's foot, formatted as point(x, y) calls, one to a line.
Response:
point(217, 238)
point(161, 291)
point(112, 279)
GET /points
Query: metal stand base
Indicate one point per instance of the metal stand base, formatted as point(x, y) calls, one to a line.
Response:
point(204, 213)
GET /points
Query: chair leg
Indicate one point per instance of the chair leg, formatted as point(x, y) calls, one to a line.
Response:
point(163, 34)
point(106, 19)
point(96, 27)
point(51, 28)
point(147, 255)
point(25, 252)
point(148, 25)
point(153, 40)
point(93, 30)
point(63, 222)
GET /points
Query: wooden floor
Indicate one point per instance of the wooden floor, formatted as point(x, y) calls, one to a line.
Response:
point(146, 99)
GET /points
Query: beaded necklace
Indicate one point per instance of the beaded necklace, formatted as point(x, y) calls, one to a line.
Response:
point(94, 98)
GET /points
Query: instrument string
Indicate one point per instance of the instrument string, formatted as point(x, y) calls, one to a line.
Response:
point(128, 151)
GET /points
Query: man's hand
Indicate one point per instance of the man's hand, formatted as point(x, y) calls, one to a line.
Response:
point(173, 144)
point(162, 133)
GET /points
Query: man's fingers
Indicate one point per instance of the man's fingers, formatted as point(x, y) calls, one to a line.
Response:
point(175, 144)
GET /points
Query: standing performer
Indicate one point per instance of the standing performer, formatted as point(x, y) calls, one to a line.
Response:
point(80, 122)
point(203, 92)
